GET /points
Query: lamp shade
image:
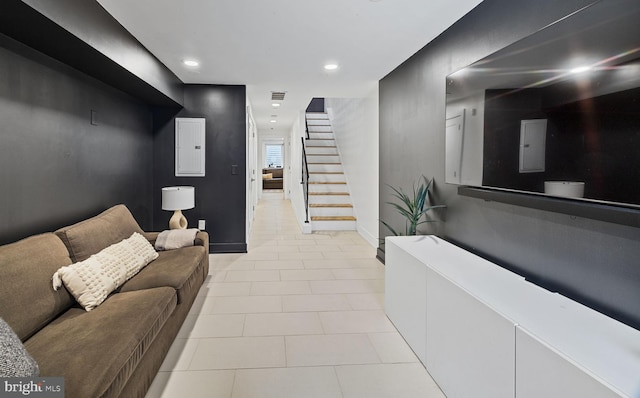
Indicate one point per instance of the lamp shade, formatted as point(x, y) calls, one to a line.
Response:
point(178, 198)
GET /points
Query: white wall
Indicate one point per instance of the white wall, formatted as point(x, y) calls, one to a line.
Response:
point(355, 126)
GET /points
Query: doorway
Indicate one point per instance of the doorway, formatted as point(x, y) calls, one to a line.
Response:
point(273, 161)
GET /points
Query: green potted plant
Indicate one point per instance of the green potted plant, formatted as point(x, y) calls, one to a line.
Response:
point(412, 207)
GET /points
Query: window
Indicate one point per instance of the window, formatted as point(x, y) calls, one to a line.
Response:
point(273, 156)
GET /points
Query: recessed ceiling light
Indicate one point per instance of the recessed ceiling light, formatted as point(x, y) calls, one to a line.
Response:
point(273, 121)
point(581, 69)
point(191, 62)
point(331, 66)
point(275, 105)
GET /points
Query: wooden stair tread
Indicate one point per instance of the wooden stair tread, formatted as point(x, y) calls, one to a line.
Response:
point(333, 218)
point(316, 205)
point(329, 193)
point(321, 146)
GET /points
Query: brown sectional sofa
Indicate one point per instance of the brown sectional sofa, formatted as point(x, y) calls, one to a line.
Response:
point(116, 349)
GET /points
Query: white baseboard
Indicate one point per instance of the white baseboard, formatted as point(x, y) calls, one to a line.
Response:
point(369, 237)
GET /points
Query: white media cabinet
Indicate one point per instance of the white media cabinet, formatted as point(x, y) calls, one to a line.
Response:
point(483, 331)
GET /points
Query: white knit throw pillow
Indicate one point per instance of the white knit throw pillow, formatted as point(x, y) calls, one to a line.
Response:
point(92, 280)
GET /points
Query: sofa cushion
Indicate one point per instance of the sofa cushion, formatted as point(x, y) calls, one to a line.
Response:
point(94, 234)
point(92, 280)
point(27, 301)
point(15, 361)
point(182, 269)
point(96, 352)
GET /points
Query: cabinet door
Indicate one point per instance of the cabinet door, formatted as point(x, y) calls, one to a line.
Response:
point(405, 298)
point(470, 347)
point(543, 372)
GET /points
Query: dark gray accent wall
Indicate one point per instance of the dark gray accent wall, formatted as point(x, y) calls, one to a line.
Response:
point(221, 194)
point(56, 167)
point(591, 261)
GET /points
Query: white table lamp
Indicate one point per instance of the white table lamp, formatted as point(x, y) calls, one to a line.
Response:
point(178, 199)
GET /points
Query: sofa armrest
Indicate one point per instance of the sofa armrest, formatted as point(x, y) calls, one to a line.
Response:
point(202, 239)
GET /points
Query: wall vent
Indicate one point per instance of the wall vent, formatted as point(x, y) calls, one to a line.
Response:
point(277, 95)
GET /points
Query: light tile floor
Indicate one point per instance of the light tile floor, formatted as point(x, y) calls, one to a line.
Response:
point(298, 316)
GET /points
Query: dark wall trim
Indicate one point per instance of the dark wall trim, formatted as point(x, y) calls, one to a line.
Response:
point(574, 207)
point(81, 34)
point(227, 248)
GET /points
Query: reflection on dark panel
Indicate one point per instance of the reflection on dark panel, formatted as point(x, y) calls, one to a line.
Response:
point(581, 77)
point(595, 141)
point(598, 139)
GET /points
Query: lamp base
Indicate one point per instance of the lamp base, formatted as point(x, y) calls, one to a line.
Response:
point(178, 220)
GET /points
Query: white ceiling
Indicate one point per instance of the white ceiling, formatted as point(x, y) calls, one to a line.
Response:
point(282, 45)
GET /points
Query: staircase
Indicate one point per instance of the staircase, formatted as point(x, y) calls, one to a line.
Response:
point(330, 207)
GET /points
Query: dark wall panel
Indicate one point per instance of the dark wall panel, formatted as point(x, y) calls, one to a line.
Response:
point(221, 194)
point(591, 261)
point(56, 167)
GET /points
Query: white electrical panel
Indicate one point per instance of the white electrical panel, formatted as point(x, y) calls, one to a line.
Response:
point(190, 147)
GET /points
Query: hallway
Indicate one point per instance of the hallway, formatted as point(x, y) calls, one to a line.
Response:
point(298, 316)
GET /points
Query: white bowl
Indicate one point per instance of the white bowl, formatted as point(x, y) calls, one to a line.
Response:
point(570, 189)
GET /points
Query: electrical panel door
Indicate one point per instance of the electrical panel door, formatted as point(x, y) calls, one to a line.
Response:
point(190, 149)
